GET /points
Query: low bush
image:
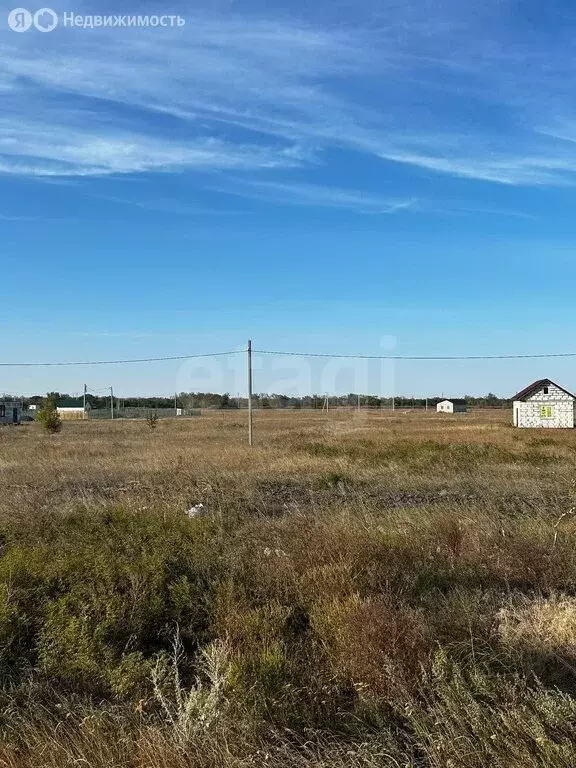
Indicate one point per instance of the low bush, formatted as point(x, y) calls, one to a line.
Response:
point(48, 417)
point(93, 602)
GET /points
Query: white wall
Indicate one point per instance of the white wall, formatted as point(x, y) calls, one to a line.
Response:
point(531, 414)
point(554, 394)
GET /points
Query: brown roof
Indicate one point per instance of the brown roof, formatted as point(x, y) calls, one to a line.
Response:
point(538, 385)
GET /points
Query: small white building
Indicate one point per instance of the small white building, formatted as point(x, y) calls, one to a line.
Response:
point(72, 408)
point(455, 405)
point(544, 404)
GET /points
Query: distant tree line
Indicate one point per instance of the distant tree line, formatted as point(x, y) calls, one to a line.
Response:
point(265, 400)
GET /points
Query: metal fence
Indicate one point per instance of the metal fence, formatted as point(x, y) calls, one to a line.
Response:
point(142, 413)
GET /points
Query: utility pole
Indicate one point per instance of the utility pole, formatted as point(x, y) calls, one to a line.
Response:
point(111, 403)
point(358, 402)
point(426, 403)
point(249, 350)
point(84, 402)
point(175, 404)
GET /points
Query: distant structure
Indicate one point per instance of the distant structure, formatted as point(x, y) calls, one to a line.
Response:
point(455, 405)
point(544, 404)
point(72, 408)
point(10, 411)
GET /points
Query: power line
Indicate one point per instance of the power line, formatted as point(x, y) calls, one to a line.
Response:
point(121, 362)
point(416, 357)
point(292, 354)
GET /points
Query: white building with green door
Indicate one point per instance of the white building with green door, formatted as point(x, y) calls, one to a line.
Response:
point(544, 404)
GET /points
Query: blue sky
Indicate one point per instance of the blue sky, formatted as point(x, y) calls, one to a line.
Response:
point(337, 177)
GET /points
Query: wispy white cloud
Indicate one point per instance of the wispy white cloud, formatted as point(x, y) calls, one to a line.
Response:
point(169, 206)
point(451, 95)
point(460, 208)
point(309, 194)
point(492, 166)
point(8, 217)
point(227, 75)
point(37, 148)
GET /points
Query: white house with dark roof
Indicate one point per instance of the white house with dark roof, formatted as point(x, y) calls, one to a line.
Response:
point(544, 404)
point(72, 408)
point(454, 405)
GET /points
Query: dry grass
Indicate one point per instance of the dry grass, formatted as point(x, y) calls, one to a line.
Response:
point(464, 458)
point(546, 625)
point(364, 590)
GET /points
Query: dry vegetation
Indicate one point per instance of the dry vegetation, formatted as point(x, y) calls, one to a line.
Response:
point(362, 591)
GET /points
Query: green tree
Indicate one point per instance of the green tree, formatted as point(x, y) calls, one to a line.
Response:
point(48, 416)
point(225, 401)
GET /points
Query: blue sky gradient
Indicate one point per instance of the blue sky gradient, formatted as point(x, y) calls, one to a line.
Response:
point(317, 177)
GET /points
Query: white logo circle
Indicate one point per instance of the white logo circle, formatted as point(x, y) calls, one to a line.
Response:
point(19, 20)
point(45, 20)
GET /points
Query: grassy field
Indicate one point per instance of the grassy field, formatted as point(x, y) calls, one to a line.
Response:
point(375, 589)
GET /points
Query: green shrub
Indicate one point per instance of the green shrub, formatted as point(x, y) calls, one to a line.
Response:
point(152, 420)
point(96, 598)
point(48, 416)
